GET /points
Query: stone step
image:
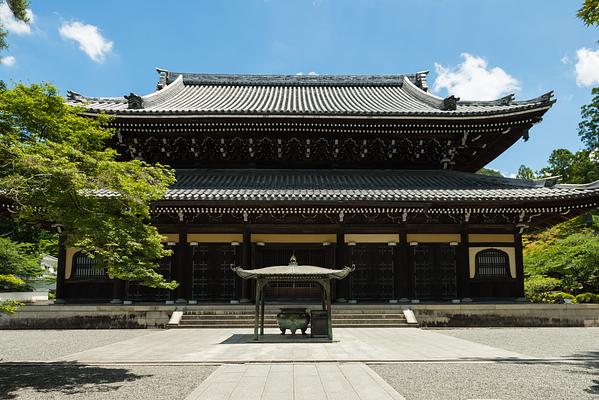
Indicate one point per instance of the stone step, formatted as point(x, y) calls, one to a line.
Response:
point(272, 316)
point(273, 322)
point(274, 312)
point(370, 317)
point(198, 326)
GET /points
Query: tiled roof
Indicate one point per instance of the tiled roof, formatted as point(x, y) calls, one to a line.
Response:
point(383, 95)
point(365, 185)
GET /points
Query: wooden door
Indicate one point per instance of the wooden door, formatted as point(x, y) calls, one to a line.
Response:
point(373, 277)
point(213, 278)
point(434, 272)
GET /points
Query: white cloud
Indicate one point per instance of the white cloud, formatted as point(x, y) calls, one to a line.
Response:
point(13, 25)
point(473, 80)
point(311, 73)
point(8, 61)
point(565, 59)
point(587, 67)
point(90, 40)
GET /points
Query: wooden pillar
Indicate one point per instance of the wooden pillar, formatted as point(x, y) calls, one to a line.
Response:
point(519, 267)
point(341, 261)
point(262, 309)
point(181, 268)
point(329, 311)
point(246, 263)
point(118, 291)
point(61, 270)
point(404, 267)
point(463, 267)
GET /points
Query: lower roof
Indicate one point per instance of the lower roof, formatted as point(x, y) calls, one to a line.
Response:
point(311, 186)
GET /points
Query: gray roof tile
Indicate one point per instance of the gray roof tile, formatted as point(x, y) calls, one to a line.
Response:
point(363, 185)
point(390, 95)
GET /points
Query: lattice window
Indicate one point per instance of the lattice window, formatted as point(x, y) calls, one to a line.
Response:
point(492, 263)
point(85, 267)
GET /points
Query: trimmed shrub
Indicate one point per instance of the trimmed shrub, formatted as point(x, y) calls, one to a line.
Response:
point(587, 298)
point(11, 283)
point(537, 288)
point(559, 297)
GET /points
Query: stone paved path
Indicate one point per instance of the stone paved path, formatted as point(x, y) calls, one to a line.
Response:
point(330, 381)
point(235, 346)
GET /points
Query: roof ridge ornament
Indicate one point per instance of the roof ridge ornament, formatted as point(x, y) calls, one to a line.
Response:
point(450, 103)
point(421, 80)
point(549, 181)
point(506, 100)
point(74, 96)
point(162, 80)
point(134, 102)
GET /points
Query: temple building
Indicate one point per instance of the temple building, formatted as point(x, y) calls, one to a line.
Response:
point(370, 171)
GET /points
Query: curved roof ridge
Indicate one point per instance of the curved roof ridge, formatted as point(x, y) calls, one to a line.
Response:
point(590, 185)
point(509, 100)
point(191, 78)
point(166, 93)
point(544, 98)
point(75, 97)
point(421, 95)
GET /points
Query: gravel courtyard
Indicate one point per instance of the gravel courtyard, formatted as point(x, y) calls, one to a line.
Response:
point(506, 363)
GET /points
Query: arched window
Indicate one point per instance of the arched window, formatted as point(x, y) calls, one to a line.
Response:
point(85, 267)
point(492, 263)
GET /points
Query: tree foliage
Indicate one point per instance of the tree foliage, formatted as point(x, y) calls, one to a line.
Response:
point(589, 12)
point(568, 252)
point(18, 259)
point(58, 169)
point(525, 172)
point(19, 10)
point(489, 172)
point(579, 167)
point(588, 128)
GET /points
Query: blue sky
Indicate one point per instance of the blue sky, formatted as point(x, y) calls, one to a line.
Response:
point(110, 48)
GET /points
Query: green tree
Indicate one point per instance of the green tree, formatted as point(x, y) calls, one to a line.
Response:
point(588, 128)
point(525, 173)
point(17, 267)
point(57, 169)
point(18, 259)
point(19, 10)
point(579, 167)
point(589, 12)
point(568, 251)
point(489, 172)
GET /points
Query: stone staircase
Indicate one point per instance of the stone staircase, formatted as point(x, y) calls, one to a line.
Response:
point(243, 317)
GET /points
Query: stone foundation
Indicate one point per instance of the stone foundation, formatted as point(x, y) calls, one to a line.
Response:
point(87, 317)
point(504, 315)
point(428, 315)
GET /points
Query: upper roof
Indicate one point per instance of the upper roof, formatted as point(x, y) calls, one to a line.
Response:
point(315, 95)
point(332, 186)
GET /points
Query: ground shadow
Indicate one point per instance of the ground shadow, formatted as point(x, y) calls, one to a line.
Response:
point(61, 378)
point(274, 338)
point(586, 362)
